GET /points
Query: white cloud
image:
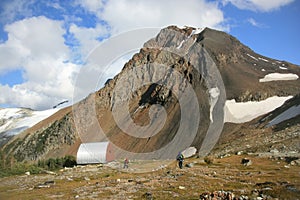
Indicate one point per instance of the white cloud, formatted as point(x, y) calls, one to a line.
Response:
point(253, 22)
point(259, 5)
point(88, 37)
point(124, 15)
point(31, 40)
point(11, 9)
point(36, 46)
point(91, 5)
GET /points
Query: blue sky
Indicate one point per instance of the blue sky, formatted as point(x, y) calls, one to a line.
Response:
point(43, 44)
point(274, 34)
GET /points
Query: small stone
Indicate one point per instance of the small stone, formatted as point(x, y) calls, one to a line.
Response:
point(49, 183)
point(295, 162)
point(242, 197)
point(246, 162)
point(205, 195)
point(27, 173)
point(148, 196)
point(267, 188)
point(181, 187)
point(46, 184)
point(189, 152)
point(275, 151)
point(43, 186)
point(189, 165)
point(50, 172)
point(255, 192)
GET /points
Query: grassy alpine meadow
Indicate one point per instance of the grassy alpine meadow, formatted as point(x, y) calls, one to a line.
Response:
point(264, 177)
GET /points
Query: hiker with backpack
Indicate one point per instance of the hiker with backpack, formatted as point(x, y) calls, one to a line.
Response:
point(180, 160)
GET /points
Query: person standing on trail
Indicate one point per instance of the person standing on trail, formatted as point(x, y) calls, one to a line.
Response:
point(180, 160)
point(126, 162)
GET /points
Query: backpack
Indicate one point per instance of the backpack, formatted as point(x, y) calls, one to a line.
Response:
point(179, 157)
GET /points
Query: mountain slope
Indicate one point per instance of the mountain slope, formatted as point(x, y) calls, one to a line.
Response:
point(192, 74)
point(275, 134)
point(241, 68)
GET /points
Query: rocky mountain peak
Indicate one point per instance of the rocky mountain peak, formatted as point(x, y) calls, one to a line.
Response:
point(171, 93)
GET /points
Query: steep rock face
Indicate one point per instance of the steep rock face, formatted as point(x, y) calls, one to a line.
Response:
point(193, 56)
point(162, 73)
point(173, 70)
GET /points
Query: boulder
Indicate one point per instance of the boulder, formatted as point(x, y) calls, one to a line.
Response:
point(148, 196)
point(295, 162)
point(189, 165)
point(189, 152)
point(246, 162)
point(181, 187)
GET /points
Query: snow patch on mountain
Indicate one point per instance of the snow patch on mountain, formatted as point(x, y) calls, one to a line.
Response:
point(283, 68)
point(197, 31)
point(279, 77)
point(15, 120)
point(214, 95)
point(194, 32)
point(263, 59)
point(180, 45)
point(240, 112)
point(252, 57)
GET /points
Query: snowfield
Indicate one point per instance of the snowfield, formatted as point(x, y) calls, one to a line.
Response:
point(284, 68)
point(263, 59)
point(279, 77)
point(15, 120)
point(246, 111)
point(180, 45)
point(252, 57)
point(197, 31)
point(214, 95)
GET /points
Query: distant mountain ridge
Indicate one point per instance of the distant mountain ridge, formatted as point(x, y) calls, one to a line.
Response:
point(15, 120)
point(240, 68)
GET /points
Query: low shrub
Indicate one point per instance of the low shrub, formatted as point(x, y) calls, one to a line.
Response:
point(208, 160)
point(9, 166)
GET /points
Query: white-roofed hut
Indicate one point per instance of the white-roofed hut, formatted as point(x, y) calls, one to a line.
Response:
point(95, 152)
